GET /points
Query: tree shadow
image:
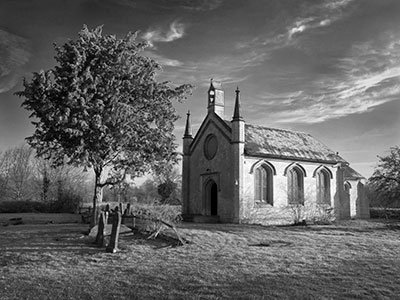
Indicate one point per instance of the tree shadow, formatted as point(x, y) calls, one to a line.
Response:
point(163, 240)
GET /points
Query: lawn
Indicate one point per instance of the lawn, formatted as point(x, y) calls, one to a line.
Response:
point(352, 260)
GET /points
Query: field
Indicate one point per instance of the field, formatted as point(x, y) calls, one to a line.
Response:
point(352, 260)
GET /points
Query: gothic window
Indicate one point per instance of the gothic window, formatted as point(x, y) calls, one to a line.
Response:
point(295, 186)
point(323, 187)
point(263, 182)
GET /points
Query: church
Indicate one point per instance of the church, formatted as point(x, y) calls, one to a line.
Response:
point(236, 172)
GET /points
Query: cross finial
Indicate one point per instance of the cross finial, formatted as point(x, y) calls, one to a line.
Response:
point(188, 128)
point(236, 112)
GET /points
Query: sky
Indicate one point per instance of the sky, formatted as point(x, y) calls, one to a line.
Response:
point(328, 68)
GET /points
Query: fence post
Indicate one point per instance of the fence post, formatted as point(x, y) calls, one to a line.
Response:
point(116, 224)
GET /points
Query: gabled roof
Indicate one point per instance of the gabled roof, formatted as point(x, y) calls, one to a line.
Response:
point(350, 173)
point(286, 144)
point(222, 125)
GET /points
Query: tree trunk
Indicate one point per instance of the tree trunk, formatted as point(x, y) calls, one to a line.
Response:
point(97, 198)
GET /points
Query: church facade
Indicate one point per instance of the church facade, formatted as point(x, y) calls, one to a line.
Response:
point(236, 172)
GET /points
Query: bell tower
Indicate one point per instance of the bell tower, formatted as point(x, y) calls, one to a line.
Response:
point(238, 141)
point(216, 101)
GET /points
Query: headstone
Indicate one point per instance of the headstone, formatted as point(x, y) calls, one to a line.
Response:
point(116, 225)
point(100, 230)
point(128, 209)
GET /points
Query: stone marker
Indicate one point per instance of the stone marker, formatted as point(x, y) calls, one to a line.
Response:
point(116, 225)
point(100, 230)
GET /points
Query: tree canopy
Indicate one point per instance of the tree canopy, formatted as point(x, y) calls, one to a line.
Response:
point(101, 107)
point(386, 177)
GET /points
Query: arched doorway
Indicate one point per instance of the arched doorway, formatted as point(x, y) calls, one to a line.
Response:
point(212, 198)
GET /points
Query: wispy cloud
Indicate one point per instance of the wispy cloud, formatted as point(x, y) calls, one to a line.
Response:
point(127, 3)
point(194, 5)
point(201, 5)
point(162, 60)
point(8, 82)
point(175, 31)
point(234, 68)
point(14, 53)
point(308, 18)
point(370, 76)
point(315, 17)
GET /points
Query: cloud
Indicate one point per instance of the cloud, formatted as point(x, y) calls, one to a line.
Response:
point(326, 80)
point(300, 26)
point(317, 16)
point(369, 76)
point(14, 53)
point(234, 68)
point(201, 5)
point(125, 3)
point(162, 60)
point(193, 5)
point(288, 31)
point(8, 82)
point(175, 31)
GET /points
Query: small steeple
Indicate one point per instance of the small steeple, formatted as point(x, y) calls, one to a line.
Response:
point(216, 102)
point(236, 112)
point(188, 128)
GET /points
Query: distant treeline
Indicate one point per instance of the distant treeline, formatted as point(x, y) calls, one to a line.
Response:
point(31, 184)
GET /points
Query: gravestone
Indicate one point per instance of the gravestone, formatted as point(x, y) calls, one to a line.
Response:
point(100, 230)
point(116, 225)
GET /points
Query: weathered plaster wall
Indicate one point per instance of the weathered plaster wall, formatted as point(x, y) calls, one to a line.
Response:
point(280, 212)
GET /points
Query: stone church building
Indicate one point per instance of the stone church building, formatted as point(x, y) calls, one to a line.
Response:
point(236, 172)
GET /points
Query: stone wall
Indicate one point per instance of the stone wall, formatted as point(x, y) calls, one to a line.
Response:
point(218, 169)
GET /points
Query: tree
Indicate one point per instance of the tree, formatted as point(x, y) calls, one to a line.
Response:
point(166, 189)
point(168, 182)
point(147, 192)
point(102, 108)
point(15, 173)
point(386, 177)
point(52, 184)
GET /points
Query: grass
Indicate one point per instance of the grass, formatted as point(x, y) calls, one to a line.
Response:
point(352, 260)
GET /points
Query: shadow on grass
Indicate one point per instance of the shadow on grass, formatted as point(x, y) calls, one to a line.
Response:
point(22, 239)
point(273, 243)
point(161, 241)
point(344, 228)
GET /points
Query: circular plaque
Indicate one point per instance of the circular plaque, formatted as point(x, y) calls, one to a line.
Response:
point(210, 146)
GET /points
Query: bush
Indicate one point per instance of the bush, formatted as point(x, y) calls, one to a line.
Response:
point(69, 203)
point(311, 213)
point(23, 207)
point(385, 213)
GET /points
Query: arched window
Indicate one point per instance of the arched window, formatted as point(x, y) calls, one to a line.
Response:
point(263, 182)
point(295, 186)
point(323, 186)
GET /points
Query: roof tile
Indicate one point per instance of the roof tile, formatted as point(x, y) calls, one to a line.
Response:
point(287, 144)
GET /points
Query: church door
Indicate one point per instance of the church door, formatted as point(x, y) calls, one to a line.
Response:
point(212, 198)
